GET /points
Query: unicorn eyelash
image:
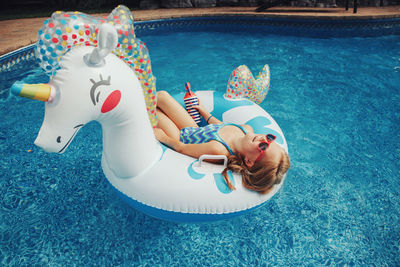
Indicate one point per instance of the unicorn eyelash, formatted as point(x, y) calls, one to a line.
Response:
point(97, 84)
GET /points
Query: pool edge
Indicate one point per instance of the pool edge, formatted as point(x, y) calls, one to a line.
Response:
point(8, 60)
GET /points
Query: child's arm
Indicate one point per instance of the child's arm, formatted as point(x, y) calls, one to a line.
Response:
point(207, 115)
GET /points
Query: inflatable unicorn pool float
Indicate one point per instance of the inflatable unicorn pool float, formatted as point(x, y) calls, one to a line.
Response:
point(96, 82)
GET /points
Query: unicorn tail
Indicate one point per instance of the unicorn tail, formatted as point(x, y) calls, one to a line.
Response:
point(241, 84)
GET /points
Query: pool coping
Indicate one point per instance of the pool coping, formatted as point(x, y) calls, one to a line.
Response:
point(22, 32)
point(25, 50)
point(337, 13)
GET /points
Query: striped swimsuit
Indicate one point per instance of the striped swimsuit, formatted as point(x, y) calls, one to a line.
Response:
point(200, 135)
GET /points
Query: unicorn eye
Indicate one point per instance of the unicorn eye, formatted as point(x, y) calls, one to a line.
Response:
point(59, 139)
point(94, 87)
point(97, 97)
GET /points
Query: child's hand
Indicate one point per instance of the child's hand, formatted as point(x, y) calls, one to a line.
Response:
point(199, 108)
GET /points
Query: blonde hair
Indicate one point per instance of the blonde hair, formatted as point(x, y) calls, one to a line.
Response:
point(261, 177)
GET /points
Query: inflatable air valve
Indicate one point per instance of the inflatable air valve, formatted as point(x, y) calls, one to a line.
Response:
point(191, 100)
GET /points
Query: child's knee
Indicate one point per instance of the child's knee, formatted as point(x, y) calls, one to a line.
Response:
point(162, 96)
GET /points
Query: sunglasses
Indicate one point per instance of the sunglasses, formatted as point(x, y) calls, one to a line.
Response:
point(262, 146)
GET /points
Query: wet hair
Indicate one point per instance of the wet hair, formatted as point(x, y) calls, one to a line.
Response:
point(261, 177)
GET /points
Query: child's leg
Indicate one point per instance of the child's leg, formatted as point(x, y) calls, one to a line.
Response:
point(167, 125)
point(175, 112)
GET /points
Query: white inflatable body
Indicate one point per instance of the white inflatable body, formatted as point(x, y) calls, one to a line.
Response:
point(180, 188)
point(152, 178)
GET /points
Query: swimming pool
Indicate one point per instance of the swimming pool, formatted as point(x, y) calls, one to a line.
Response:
point(337, 101)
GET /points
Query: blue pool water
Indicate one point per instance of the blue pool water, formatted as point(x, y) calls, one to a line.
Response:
point(337, 101)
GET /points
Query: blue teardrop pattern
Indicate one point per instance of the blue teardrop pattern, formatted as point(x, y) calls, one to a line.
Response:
point(218, 178)
point(221, 184)
point(259, 124)
point(193, 174)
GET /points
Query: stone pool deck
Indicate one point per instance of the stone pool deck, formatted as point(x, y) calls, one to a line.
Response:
point(22, 32)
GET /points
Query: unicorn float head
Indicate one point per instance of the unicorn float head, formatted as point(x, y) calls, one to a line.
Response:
point(92, 83)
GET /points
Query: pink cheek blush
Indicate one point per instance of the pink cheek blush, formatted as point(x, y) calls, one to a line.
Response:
point(111, 102)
